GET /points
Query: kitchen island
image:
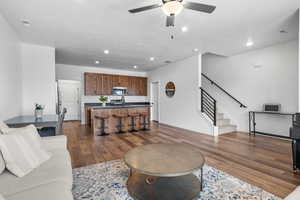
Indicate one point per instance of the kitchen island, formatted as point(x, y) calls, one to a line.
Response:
point(96, 109)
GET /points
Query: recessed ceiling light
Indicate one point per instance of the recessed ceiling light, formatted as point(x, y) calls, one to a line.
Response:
point(106, 51)
point(151, 58)
point(97, 62)
point(25, 22)
point(195, 50)
point(135, 67)
point(184, 29)
point(249, 43)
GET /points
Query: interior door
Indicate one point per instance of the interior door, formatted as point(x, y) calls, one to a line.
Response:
point(155, 101)
point(69, 94)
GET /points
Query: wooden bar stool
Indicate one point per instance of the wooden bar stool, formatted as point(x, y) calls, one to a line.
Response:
point(145, 122)
point(132, 124)
point(102, 128)
point(120, 124)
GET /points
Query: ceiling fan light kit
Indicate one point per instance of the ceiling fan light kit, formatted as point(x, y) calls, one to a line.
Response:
point(173, 7)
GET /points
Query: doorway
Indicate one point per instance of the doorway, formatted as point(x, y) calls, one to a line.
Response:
point(69, 98)
point(155, 101)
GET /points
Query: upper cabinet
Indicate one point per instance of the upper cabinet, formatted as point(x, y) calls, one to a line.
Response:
point(124, 81)
point(137, 86)
point(107, 84)
point(102, 84)
point(144, 86)
point(91, 82)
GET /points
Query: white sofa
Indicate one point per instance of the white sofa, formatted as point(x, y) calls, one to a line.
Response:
point(295, 195)
point(50, 181)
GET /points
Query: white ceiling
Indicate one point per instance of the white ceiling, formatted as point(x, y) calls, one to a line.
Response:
point(81, 29)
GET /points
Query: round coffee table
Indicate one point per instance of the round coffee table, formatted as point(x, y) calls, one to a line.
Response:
point(164, 171)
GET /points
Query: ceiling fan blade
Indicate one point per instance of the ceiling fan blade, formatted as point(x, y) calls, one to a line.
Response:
point(170, 20)
point(199, 7)
point(141, 9)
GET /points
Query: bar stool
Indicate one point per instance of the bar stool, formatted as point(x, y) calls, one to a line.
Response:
point(132, 124)
point(120, 125)
point(145, 122)
point(102, 128)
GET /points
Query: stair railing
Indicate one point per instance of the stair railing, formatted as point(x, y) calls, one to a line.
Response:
point(209, 106)
point(223, 90)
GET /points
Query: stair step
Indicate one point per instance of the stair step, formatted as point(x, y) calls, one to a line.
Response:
point(220, 116)
point(227, 129)
point(222, 122)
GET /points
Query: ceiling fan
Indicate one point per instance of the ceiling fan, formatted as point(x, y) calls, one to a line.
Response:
point(173, 7)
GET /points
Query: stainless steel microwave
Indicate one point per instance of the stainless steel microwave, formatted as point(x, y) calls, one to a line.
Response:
point(119, 91)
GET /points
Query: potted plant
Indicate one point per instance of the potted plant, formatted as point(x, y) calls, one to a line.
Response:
point(103, 100)
point(38, 112)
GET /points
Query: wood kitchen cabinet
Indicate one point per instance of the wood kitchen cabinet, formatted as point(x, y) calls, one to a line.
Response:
point(139, 86)
point(131, 85)
point(123, 81)
point(120, 81)
point(107, 84)
point(144, 86)
point(99, 84)
point(102, 84)
point(116, 80)
point(91, 83)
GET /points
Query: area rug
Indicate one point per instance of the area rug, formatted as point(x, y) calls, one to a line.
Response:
point(96, 181)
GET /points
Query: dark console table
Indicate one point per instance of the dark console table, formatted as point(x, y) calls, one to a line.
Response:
point(252, 122)
point(46, 125)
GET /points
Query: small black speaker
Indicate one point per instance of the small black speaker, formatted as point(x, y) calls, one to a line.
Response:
point(272, 107)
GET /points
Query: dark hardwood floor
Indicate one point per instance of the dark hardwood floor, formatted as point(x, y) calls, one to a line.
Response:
point(261, 161)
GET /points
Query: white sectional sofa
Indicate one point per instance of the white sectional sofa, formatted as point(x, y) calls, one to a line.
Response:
point(295, 195)
point(50, 181)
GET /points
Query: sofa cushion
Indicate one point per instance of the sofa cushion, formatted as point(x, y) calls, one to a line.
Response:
point(294, 195)
point(51, 191)
point(2, 163)
point(30, 129)
point(54, 142)
point(58, 168)
point(3, 127)
point(22, 152)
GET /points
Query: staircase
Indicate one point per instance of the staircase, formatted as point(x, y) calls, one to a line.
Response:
point(221, 123)
point(224, 125)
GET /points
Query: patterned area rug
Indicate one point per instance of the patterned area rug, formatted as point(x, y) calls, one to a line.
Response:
point(96, 182)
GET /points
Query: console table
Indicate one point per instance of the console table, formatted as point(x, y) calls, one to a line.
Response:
point(252, 122)
point(46, 125)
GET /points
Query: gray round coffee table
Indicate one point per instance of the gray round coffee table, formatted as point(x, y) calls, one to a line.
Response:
point(164, 171)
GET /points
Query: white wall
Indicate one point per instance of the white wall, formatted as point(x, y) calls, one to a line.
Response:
point(268, 75)
point(182, 110)
point(38, 78)
point(76, 73)
point(10, 72)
